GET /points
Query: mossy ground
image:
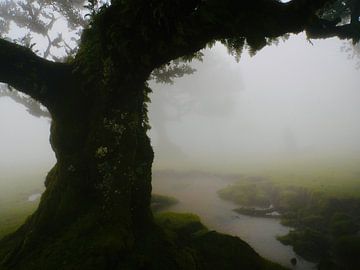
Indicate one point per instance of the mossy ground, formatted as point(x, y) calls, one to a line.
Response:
point(14, 204)
point(334, 177)
point(180, 240)
point(213, 250)
point(320, 217)
point(160, 202)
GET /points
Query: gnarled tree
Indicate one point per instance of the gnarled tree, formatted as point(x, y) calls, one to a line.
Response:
point(95, 212)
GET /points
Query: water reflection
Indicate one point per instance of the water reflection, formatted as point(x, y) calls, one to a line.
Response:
point(197, 194)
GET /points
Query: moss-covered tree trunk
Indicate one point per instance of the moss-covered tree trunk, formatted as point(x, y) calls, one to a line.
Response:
point(96, 207)
point(97, 198)
point(95, 212)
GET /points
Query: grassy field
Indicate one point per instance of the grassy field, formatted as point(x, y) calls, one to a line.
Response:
point(15, 206)
point(320, 200)
point(12, 217)
point(333, 182)
point(332, 177)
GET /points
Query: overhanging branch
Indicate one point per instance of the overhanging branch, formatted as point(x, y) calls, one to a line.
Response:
point(33, 107)
point(28, 73)
point(320, 28)
point(260, 19)
point(321, 31)
point(254, 20)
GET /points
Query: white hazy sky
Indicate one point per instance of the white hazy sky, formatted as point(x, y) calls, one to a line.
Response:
point(289, 99)
point(24, 140)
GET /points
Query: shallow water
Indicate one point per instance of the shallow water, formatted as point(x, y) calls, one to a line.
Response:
point(197, 194)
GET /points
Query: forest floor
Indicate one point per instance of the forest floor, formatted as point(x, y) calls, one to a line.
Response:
point(16, 204)
point(300, 188)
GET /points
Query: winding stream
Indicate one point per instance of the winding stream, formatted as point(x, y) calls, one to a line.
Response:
point(197, 194)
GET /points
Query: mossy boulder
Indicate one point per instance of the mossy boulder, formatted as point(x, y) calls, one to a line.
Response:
point(211, 250)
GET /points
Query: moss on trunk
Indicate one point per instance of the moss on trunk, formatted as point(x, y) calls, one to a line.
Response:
point(95, 212)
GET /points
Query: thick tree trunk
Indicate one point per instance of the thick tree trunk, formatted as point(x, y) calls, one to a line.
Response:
point(95, 212)
point(97, 197)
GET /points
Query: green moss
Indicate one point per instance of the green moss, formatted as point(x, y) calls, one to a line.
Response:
point(249, 191)
point(180, 222)
point(318, 219)
point(213, 250)
point(9, 222)
point(220, 251)
point(160, 202)
point(181, 242)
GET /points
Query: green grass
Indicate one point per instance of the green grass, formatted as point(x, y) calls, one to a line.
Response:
point(160, 202)
point(319, 199)
point(213, 250)
point(15, 208)
point(14, 204)
point(183, 223)
point(332, 177)
point(332, 183)
point(190, 238)
point(11, 219)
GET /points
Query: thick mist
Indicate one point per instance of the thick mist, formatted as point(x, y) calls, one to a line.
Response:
point(297, 101)
point(24, 139)
point(289, 113)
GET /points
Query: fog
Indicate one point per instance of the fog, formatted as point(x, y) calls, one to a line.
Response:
point(295, 105)
point(24, 140)
point(294, 100)
point(297, 100)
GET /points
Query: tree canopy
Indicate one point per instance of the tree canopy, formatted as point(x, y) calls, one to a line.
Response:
point(52, 29)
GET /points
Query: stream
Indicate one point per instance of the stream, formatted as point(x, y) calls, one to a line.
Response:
point(197, 194)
